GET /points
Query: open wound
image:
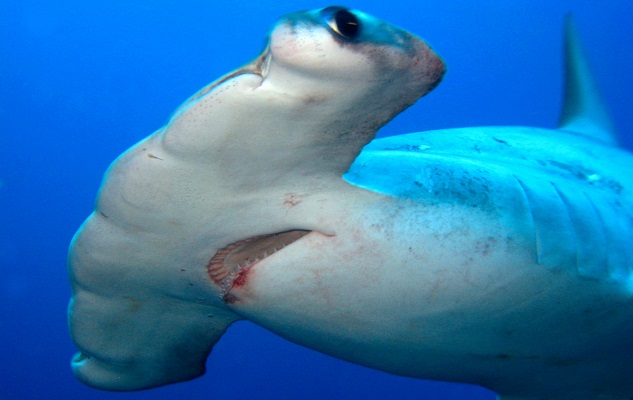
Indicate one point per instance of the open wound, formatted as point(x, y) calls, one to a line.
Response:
point(229, 266)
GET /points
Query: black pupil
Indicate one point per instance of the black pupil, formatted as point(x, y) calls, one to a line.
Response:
point(346, 23)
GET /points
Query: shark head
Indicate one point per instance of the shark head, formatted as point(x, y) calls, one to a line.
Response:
point(314, 97)
point(242, 171)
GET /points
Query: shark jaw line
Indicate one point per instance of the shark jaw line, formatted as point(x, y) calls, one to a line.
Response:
point(229, 266)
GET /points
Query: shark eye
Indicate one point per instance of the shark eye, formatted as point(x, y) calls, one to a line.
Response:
point(342, 22)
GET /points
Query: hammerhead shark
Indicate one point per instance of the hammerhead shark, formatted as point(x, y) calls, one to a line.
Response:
point(498, 256)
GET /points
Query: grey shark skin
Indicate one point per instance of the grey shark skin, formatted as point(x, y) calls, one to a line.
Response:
point(497, 256)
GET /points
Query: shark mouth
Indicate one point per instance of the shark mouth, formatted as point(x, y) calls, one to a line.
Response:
point(229, 266)
point(259, 66)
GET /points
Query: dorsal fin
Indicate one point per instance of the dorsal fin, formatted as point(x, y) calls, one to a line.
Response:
point(583, 110)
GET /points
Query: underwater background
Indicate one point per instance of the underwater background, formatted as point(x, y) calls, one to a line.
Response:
point(81, 81)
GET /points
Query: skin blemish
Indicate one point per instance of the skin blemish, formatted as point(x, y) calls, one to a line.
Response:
point(292, 199)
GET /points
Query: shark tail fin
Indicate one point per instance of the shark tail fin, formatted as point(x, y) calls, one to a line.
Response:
point(583, 111)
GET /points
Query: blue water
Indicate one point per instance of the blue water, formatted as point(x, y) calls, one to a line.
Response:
point(81, 81)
